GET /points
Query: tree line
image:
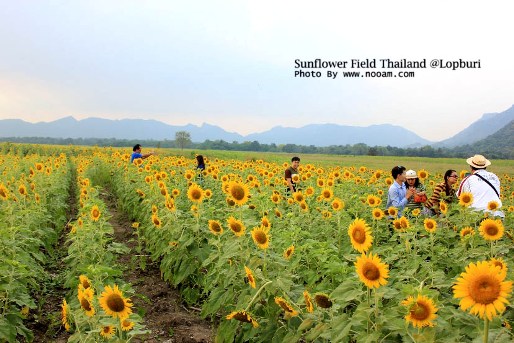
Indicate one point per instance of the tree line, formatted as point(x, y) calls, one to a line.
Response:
point(183, 140)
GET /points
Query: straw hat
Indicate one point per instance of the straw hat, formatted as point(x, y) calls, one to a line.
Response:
point(478, 161)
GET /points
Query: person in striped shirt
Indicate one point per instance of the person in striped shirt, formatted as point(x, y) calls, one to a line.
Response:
point(442, 191)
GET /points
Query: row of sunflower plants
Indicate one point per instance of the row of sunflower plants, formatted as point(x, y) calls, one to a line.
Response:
point(33, 202)
point(97, 308)
point(323, 263)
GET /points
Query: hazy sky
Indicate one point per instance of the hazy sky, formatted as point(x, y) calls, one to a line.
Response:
point(232, 63)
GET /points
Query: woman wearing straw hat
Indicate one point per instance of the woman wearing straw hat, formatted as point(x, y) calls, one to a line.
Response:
point(483, 185)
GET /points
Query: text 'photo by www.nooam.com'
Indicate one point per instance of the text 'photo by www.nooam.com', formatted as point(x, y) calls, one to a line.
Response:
point(373, 67)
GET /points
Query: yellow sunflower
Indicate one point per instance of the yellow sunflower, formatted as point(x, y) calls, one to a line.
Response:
point(500, 263)
point(308, 301)
point(95, 213)
point(377, 214)
point(236, 226)
point(304, 207)
point(243, 316)
point(289, 310)
point(360, 235)
point(421, 311)
point(309, 191)
point(4, 193)
point(215, 227)
point(373, 201)
point(491, 229)
point(430, 225)
point(392, 211)
point(265, 223)
point(127, 325)
point(278, 214)
point(465, 199)
point(238, 192)
point(443, 206)
point(371, 270)
point(322, 300)
point(114, 304)
point(275, 198)
point(493, 205)
point(289, 252)
point(482, 290)
point(260, 237)
point(84, 281)
point(85, 300)
point(65, 311)
point(415, 212)
point(467, 231)
point(337, 204)
point(422, 174)
point(195, 193)
point(298, 197)
point(108, 330)
point(249, 276)
point(389, 181)
point(326, 194)
point(156, 221)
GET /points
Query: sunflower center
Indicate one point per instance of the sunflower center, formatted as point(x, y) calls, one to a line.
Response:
point(261, 237)
point(96, 213)
point(237, 192)
point(196, 194)
point(235, 227)
point(420, 311)
point(371, 271)
point(492, 230)
point(485, 290)
point(242, 317)
point(85, 304)
point(115, 303)
point(216, 227)
point(359, 235)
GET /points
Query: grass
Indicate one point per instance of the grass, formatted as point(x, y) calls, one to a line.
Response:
point(432, 165)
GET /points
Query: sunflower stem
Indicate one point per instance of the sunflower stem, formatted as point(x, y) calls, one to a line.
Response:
point(486, 330)
point(376, 309)
point(256, 294)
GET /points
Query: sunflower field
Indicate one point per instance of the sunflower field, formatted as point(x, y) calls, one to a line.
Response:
point(324, 264)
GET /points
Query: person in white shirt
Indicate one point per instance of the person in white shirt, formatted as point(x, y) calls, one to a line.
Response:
point(483, 185)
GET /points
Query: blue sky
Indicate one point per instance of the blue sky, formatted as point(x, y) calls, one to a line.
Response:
point(231, 63)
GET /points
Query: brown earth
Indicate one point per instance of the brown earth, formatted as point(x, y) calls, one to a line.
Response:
point(164, 315)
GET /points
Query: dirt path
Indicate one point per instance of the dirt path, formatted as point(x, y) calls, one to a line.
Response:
point(164, 315)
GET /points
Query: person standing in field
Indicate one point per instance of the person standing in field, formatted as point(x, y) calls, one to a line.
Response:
point(200, 167)
point(483, 185)
point(136, 153)
point(398, 194)
point(290, 173)
point(443, 191)
point(419, 197)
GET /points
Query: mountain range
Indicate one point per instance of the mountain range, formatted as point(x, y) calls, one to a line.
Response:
point(314, 134)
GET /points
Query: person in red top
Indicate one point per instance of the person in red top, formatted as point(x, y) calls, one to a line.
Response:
point(290, 173)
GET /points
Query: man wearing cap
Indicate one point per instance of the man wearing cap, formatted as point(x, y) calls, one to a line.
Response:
point(137, 153)
point(483, 185)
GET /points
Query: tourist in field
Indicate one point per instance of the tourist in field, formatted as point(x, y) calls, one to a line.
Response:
point(419, 196)
point(443, 191)
point(200, 166)
point(136, 153)
point(290, 174)
point(484, 186)
point(398, 195)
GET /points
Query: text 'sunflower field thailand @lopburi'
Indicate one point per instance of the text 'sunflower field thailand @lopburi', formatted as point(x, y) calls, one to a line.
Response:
point(323, 264)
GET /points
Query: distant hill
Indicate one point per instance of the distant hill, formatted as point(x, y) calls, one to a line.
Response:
point(480, 129)
point(134, 129)
point(315, 134)
point(331, 134)
point(498, 145)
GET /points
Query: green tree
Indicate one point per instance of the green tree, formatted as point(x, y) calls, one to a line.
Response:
point(182, 139)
